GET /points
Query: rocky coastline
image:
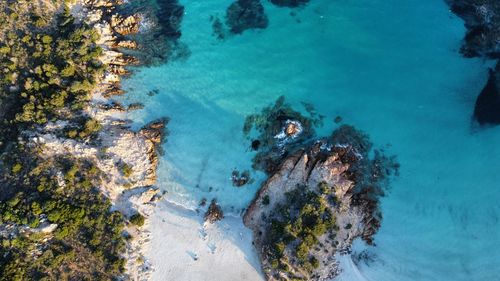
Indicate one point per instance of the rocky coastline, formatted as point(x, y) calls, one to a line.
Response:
point(128, 159)
point(482, 21)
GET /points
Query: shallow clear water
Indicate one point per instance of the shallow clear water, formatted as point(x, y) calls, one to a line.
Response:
point(392, 69)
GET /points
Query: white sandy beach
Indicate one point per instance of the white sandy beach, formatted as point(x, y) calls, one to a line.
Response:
point(184, 248)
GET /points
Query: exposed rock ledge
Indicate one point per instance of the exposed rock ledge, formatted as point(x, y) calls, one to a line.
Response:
point(335, 174)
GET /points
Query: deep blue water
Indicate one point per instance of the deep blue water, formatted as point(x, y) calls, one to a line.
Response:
point(392, 69)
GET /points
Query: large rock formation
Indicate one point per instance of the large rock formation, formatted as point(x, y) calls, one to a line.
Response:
point(315, 204)
point(482, 20)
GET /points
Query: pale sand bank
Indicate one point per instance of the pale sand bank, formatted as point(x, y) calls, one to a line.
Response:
point(223, 251)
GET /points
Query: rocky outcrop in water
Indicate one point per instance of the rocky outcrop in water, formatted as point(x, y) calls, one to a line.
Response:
point(315, 204)
point(246, 14)
point(214, 212)
point(320, 195)
point(487, 109)
point(482, 20)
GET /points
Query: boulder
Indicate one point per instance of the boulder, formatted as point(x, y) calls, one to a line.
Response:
point(292, 129)
point(214, 212)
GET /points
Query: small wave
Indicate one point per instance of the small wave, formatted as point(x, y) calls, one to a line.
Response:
point(350, 272)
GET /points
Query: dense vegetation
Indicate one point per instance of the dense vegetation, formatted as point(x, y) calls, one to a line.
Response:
point(297, 225)
point(49, 64)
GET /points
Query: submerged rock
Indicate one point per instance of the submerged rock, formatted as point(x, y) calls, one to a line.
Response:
point(482, 20)
point(246, 14)
point(316, 203)
point(487, 109)
point(219, 31)
point(214, 212)
point(289, 3)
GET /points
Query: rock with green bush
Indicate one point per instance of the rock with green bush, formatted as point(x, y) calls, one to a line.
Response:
point(318, 199)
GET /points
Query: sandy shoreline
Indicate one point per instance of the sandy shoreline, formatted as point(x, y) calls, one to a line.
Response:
point(183, 247)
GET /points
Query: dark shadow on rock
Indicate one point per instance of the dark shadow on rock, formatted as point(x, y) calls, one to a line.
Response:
point(487, 109)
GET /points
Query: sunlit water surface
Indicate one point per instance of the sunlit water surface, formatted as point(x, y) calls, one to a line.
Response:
point(392, 69)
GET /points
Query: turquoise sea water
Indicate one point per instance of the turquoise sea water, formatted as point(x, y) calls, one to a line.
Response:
point(392, 69)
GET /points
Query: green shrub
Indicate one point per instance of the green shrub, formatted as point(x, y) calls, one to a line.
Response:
point(127, 170)
point(17, 168)
point(137, 220)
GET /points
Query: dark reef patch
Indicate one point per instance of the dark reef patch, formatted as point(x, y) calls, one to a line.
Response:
point(219, 30)
point(487, 109)
point(242, 15)
point(289, 3)
point(170, 14)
